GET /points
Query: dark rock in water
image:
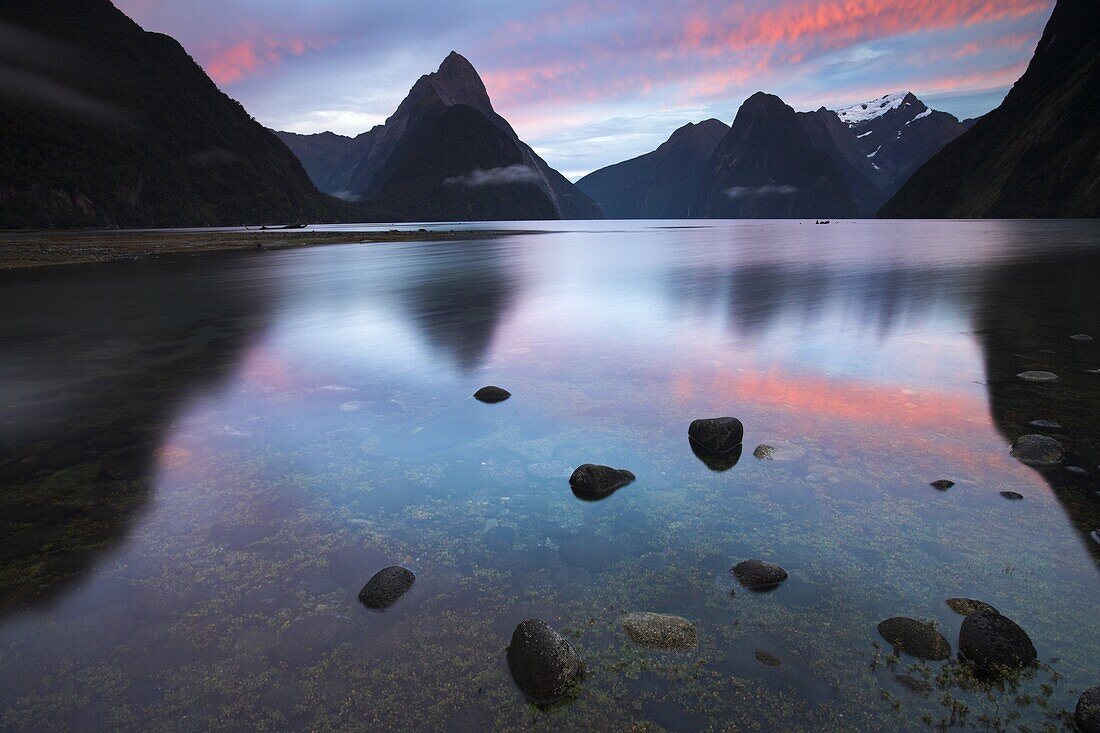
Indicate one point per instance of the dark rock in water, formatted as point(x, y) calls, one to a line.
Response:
point(718, 435)
point(592, 482)
point(917, 638)
point(1087, 713)
point(1038, 450)
point(766, 658)
point(1045, 424)
point(717, 462)
point(764, 451)
point(914, 684)
point(967, 606)
point(1038, 376)
point(492, 394)
point(758, 575)
point(1081, 337)
point(660, 631)
point(387, 585)
point(942, 484)
point(993, 641)
point(542, 662)
point(1012, 495)
point(500, 538)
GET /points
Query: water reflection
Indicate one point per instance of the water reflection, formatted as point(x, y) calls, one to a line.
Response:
point(1029, 311)
point(92, 375)
point(310, 419)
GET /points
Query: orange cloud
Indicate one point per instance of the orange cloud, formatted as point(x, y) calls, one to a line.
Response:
point(229, 64)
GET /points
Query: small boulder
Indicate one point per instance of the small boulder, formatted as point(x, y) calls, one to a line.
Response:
point(714, 461)
point(1045, 424)
point(914, 684)
point(916, 638)
point(993, 641)
point(592, 482)
point(660, 631)
point(1087, 713)
point(758, 575)
point(542, 662)
point(766, 658)
point(387, 585)
point(1012, 495)
point(764, 451)
point(1038, 450)
point(1038, 376)
point(942, 484)
point(967, 606)
point(492, 394)
point(717, 435)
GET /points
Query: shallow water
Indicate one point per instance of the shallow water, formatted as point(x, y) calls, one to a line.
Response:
point(205, 457)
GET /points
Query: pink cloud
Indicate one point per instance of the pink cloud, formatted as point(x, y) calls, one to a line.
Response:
point(230, 63)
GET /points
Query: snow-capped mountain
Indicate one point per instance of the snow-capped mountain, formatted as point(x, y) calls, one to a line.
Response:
point(898, 133)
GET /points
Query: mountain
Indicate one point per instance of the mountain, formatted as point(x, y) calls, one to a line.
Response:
point(660, 184)
point(361, 167)
point(898, 133)
point(105, 124)
point(1038, 154)
point(767, 167)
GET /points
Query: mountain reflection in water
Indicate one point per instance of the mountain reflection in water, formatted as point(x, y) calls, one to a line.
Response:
point(204, 459)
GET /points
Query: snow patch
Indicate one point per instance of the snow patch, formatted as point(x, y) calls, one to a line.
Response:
point(872, 110)
point(876, 152)
point(865, 134)
point(925, 113)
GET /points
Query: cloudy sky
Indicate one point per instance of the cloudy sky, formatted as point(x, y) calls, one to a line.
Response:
point(593, 82)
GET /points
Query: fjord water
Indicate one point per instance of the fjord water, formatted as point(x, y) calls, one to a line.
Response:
point(204, 458)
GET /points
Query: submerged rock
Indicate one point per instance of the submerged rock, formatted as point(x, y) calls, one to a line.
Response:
point(1038, 376)
point(758, 575)
point(592, 482)
point(914, 684)
point(542, 662)
point(764, 451)
point(942, 484)
point(967, 606)
point(387, 585)
point(492, 394)
point(1087, 714)
point(766, 658)
point(993, 641)
point(916, 638)
point(717, 435)
point(499, 538)
point(1045, 424)
point(1038, 450)
point(716, 461)
point(1012, 495)
point(660, 631)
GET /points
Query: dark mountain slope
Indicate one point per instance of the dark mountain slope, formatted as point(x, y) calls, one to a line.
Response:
point(454, 164)
point(358, 170)
point(660, 184)
point(767, 167)
point(1038, 154)
point(104, 124)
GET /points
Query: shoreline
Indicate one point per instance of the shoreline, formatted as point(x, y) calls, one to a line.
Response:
point(19, 250)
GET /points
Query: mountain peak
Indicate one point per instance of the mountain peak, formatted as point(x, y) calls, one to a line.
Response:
point(456, 65)
point(875, 108)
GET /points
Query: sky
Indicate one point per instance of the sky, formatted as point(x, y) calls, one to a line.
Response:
point(588, 83)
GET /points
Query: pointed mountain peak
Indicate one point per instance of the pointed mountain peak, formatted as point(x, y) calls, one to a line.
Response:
point(875, 108)
point(455, 66)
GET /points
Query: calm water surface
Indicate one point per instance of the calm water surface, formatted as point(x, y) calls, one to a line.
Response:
point(203, 458)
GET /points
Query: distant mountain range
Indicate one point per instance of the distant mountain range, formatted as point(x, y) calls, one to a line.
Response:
point(1038, 154)
point(661, 184)
point(445, 153)
point(106, 125)
point(777, 163)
